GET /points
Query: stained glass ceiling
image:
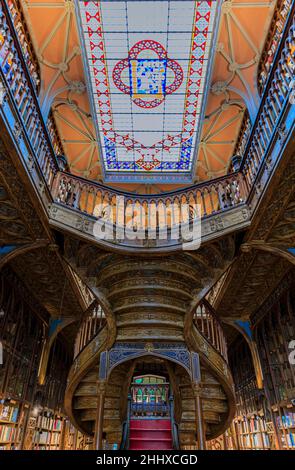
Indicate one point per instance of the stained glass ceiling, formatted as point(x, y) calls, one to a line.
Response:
point(148, 65)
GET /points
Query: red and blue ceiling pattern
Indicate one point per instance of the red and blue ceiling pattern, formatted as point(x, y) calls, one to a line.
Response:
point(148, 68)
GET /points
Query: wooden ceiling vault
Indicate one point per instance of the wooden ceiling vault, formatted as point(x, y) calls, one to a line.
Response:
point(243, 28)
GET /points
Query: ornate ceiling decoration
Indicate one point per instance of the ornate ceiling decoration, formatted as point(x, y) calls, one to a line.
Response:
point(242, 31)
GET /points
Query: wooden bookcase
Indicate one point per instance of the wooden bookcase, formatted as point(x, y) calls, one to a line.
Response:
point(265, 419)
point(31, 416)
point(48, 431)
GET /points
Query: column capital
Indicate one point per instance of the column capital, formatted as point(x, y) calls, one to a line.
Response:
point(101, 386)
point(197, 390)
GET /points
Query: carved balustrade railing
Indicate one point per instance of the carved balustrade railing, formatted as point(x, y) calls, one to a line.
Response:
point(274, 100)
point(25, 41)
point(94, 198)
point(91, 324)
point(276, 29)
point(241, 143)
point(18, 83)
point(209, 325)
point(85, 292)
point(54, 135)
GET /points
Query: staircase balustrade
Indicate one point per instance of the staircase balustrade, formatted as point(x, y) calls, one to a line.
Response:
point(209, 325)
point(91, 324)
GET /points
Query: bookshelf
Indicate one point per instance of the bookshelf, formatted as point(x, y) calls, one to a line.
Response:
point(286, 425)
point(48, 431)
point(252, 433)
point(265, 419)
point(9, 415)
point(12, 424)
point(71, 434)
point(31, 415)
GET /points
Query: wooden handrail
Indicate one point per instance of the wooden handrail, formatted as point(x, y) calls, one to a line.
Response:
point(209, 325)
point(92, 322)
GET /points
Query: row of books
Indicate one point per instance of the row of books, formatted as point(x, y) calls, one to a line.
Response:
point(8, 413)
point(287, 420)
point(49, 423)
point(7, 433)
point(47, 438)
point(290, 438)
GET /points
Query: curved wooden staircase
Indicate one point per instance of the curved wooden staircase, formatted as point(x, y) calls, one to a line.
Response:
point(216, 385)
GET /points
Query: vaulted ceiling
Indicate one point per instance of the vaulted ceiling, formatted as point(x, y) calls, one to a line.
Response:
point(243, 26)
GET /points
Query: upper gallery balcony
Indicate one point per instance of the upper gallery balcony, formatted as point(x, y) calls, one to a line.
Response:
point(223, 203)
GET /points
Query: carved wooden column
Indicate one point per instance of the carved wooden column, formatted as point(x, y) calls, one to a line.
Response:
point(199, 417)
point(101, 388)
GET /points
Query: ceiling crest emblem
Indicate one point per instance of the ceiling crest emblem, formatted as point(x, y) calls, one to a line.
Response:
point(150, 76)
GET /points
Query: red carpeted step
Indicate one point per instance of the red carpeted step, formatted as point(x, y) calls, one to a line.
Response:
point(150, 434)
point(153, 433)
point(150, 423)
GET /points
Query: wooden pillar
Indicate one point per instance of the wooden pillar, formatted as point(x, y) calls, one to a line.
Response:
point(235, 436)
point(101, 388)
point(199, 417)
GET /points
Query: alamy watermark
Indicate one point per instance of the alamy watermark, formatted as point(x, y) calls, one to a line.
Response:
point(131, 221)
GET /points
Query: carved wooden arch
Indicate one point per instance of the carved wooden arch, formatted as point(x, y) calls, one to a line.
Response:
point(244, 328)
point(276, 250)
point(21, 249)
point(152, 351)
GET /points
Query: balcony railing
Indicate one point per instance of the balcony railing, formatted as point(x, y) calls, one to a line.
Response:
point(91, 198)
point(273, 103)
point(20, 86)
point(25, 42)
point(203, 200)
point(209, 325)
point(276, 30)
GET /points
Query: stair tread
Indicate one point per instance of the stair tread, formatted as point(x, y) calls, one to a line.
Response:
point(158, 439)
point(148, 429)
